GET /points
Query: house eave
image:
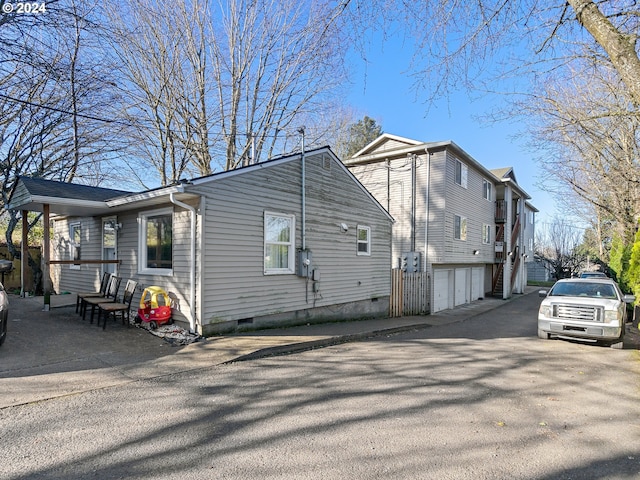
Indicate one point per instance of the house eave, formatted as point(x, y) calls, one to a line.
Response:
point(61, 206)
point(149, 198)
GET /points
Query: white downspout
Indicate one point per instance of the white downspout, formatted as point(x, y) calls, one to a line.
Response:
point(192, 261)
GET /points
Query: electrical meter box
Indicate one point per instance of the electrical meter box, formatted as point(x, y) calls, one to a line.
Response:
point(410, 262)
point(305, 263)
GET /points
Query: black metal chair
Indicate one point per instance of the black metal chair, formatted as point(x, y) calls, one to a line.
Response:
point(123, 307)
point(104, 284)
point(111, 296)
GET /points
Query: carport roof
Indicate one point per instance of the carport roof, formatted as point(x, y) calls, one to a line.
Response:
point(65, 198)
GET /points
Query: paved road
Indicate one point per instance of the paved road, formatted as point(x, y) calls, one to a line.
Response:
point(479, 399)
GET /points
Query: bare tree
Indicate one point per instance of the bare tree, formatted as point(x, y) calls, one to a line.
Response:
point(49, 96)
point(149, 41)
point(557, 243)
point(274, 63)
point(587, 127)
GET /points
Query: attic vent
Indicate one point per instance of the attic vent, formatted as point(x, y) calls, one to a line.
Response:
point(326, 163)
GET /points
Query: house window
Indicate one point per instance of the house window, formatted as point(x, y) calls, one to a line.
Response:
point(460, 228)
point(487, 187)
point(364, 240)
point(531, 244)
point(461, 174)
point(75, 238)
point(279, 248)
point(155, 243)
point(486, 234)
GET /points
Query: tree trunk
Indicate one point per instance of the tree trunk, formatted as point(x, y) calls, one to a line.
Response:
point(619, 47)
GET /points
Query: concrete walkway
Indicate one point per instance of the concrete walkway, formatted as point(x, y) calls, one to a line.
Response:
point(55, 353)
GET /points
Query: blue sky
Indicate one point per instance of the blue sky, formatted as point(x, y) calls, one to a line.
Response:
point(381, 91)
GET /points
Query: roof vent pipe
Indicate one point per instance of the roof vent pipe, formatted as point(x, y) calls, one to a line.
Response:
point(303, 195)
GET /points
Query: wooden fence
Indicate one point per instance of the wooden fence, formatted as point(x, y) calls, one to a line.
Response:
point(409, 293)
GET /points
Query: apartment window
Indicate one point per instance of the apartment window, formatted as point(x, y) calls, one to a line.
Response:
point(75, 239)
point(487, 188)
point(155, 242)
point(486, 234)
point(461, 174)
point(364, 240)
point(279, 248)
point(460, 228)
point(531, 244)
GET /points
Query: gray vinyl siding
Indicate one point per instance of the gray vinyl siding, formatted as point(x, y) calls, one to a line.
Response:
point(87, 277)
point(234, 284)
point(468, 203)
point(178, 284)
point(437, 205)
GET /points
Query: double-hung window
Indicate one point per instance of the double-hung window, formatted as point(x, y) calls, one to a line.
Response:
point(487, 188)
point(279, 243)
point(363, 240)
point(155, 242)
point(75, 237)
point(461, 174)
point(486, 234)
point(460, 228)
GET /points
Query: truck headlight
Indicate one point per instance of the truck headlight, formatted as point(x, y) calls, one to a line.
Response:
point(545, 310)
point(611, 316)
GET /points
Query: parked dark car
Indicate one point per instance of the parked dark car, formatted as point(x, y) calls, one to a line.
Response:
point(592, 275)
point(4, 313)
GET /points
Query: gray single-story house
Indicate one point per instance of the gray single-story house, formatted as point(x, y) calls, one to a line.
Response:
point(290, 240)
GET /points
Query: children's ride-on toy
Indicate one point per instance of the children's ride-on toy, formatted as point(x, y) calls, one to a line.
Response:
point(155, 307)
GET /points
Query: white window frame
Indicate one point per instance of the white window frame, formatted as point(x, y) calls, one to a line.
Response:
point(464, 172)
point(291, 244)
point(73, 245)
point(143, 269)
point(486, 234)
point(460, 233)
point(487, 189)
point(366, 242)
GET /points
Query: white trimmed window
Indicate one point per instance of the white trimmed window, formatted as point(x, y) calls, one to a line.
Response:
point(461, 174)
point(460, 228)
point(487, 190)
point(486, 234)
point(155, 242)
point(75, 239)
point(364, 240)
point(279, 247)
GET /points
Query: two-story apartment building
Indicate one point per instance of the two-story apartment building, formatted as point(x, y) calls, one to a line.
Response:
point(471, 229)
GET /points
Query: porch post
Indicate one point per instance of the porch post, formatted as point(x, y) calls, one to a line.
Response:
point(24, 252)
point(46, 282)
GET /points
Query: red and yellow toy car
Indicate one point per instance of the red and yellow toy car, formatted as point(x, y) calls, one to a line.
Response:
point(155, 307)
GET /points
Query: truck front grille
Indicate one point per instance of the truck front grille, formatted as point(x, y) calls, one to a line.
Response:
point(579, 312)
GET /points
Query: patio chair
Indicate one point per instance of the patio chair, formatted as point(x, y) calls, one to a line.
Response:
point(111, 296)
point(104, 284)
point(123, 307)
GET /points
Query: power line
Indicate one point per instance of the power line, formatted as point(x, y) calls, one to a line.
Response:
point(59, 110)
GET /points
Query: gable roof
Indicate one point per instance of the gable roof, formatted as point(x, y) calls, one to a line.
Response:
point(326, 152)
point(82, 200)
point(505, 173)
point(384, 138)
point(369, 154)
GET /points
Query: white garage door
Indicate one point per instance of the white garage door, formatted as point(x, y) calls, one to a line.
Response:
point(441, 290)
point(461, 286)
point(477, 283)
